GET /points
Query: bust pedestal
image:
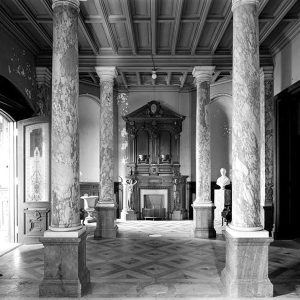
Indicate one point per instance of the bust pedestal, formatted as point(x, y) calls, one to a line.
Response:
point(222, 196)
point(128, 215)
point(177, 215)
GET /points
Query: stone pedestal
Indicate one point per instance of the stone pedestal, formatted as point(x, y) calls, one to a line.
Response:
point(65, 271)
point(246, 270)
point(203, 226)
point(106, 215)
point(221, 197)
point(177, 215)
point(128, 215)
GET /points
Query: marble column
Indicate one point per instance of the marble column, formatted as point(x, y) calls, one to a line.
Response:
point(65, 271)
point(203, 208)
point(106, 206)
point(267, 147)
point(43, 96)
point(246, 270)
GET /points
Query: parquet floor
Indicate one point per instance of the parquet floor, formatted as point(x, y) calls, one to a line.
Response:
point(150, 259)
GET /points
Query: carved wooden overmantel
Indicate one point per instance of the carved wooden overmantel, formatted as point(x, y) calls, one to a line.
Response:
point(154, 154)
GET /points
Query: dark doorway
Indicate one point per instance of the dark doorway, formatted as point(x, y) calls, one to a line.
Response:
point(288, 163)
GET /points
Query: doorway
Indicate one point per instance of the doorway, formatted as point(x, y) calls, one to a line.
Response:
point(7, 182)
point(288, 162)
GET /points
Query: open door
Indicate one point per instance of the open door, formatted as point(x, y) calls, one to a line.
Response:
point(33, 173)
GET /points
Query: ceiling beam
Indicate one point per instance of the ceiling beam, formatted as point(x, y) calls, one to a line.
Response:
point(48, 6)
point(205, 9)
point(124, 80)
point(129, 24)
point(183, 79)
point(87, 34)
point(168, 78)
point(29, 15)
point(153, 26)
point(15, 31)
point(138, 76)
point(177, 25)
point(262, 5)
point(93, 77)
point(282, 10)
point(100, 6)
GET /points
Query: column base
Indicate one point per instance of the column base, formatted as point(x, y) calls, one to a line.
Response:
point(128, 215)
point(246, 269)
point(65, 271)
point(177, 215)
point(203, 218)
point(106, 216)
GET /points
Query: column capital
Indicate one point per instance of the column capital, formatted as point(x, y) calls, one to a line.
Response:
point(43, 76)
point(203, 73)
point(106, 73)
point(267, 72)
point(74, 3)
point(236, 3)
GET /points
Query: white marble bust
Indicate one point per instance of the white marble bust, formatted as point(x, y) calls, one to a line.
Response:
point(223, 180)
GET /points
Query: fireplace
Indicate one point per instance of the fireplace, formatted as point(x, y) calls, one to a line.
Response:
point(154, 203)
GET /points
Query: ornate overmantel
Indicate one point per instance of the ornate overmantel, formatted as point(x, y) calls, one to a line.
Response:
point(154, 156)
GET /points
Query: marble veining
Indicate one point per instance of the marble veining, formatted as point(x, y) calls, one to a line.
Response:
point(246, 123)
point(65, 135)
point(106, 189)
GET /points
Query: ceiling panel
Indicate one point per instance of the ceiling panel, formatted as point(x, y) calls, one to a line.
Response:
point(36, 7)
point(271, 7)
point(83, 43)
point(98, 32)
point(191, 8)
point(165, 35)
point(206, 39)
point(121, 34)
point(226, 41)
point(114, 7)
point(186, 34)
point(219, 8)
point(143, 35)
point(34, 35)
point(141, 8)
point(166, 8)
point(88, 8)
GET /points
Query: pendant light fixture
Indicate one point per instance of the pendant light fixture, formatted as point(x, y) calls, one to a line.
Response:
point(154, 75)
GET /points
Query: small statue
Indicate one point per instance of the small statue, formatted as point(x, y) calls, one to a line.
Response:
point(223, 180)
point(130, 184)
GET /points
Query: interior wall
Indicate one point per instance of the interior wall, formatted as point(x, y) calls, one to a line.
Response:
point(178, 102)
point(89, 138)
point(17, 64)
point(287, 65)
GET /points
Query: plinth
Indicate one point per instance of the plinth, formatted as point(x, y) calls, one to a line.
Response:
point(65, 271)
point(222, 196)
point(246, 270)
point(177, 215)
point(203, 215)
point(106, 216)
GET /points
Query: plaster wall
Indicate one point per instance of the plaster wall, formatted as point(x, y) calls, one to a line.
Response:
point(287, 65)
point(17, 64)
point(89, 128)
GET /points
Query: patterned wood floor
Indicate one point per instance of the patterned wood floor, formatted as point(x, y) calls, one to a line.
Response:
point(150, 259)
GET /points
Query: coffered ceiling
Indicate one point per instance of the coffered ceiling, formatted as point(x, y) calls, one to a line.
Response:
point(175, 35)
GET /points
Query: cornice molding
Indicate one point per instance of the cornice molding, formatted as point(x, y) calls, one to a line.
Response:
point(43, 76)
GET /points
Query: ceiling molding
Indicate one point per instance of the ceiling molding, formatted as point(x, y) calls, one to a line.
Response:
point(205, 9)
point(129, 23)
point(29, 15)
point(100, 6)
point(179, 7)
point(282, 10)
point(153, 26)
point(16, 32)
